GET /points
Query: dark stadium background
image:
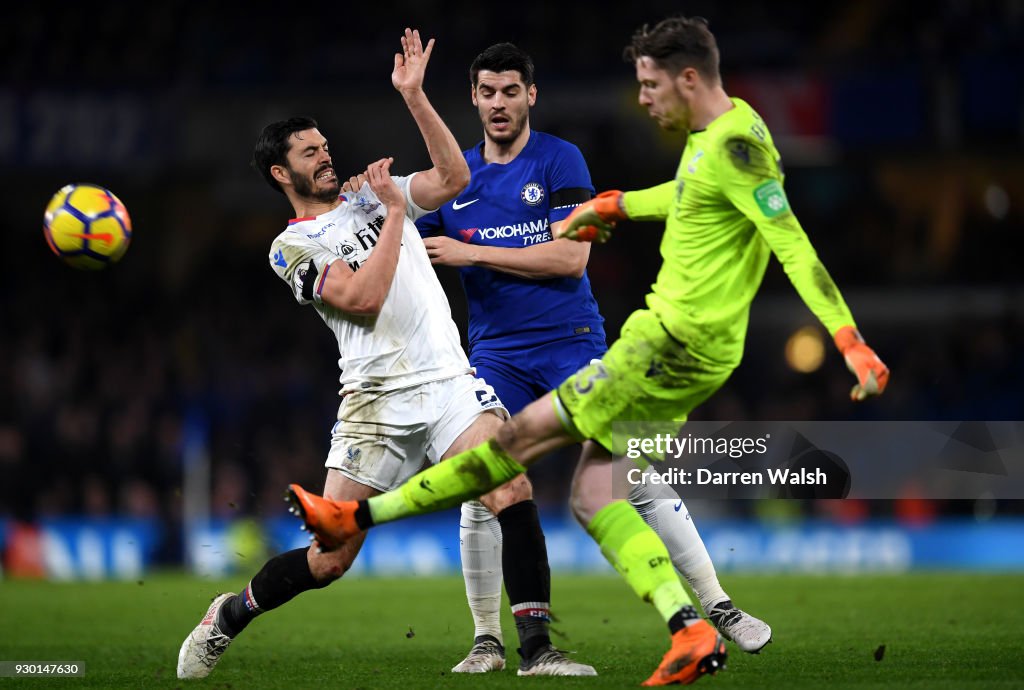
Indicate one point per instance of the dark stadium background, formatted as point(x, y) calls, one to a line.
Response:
point(900, 126)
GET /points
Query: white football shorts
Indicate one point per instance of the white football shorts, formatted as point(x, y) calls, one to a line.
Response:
point(383, 438)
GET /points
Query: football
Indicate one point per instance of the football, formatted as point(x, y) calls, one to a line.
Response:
point(87, 226)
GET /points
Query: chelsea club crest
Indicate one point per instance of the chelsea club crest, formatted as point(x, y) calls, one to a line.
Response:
point(532, 194)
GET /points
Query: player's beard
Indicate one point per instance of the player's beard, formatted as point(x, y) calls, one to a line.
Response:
point(306, 187)
point(675, 126)
point(678, 119)
point(515, 128)
point(672, 112)
point(671, 121)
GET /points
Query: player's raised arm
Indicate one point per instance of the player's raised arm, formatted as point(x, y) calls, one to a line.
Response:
point(450, 174)
point(363, 292)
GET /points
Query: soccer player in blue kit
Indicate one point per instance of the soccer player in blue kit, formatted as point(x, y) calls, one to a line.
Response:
point(533, 322)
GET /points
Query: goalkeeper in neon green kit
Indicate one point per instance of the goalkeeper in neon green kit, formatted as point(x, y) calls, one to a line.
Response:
point(725, 213)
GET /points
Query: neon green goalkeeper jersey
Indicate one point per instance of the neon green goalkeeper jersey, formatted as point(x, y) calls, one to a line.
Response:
point(725, 212)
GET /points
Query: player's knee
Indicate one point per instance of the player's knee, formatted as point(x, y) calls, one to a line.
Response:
point(515, 491)
point(509, 432)
point(582, 505)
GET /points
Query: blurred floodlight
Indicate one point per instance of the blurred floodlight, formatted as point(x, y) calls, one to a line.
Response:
point(997, 201)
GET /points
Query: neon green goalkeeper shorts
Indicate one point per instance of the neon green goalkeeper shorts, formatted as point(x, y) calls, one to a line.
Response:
point(646, 376)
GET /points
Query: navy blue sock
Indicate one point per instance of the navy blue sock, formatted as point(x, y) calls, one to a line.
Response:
point(524, 562)
point(282, 578)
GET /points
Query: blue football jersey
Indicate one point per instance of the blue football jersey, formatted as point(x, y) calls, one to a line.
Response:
point(513, 205)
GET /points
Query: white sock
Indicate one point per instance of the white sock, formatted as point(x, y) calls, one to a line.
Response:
point(480, 547)
point(662, 509)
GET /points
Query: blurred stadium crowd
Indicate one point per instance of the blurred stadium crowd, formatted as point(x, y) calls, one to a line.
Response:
point(901, 126)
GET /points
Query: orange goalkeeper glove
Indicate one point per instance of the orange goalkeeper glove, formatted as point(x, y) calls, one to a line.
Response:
point(593, 220)
point(872, 374)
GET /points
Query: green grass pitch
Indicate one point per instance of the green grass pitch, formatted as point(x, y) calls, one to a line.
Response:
point(939, 631)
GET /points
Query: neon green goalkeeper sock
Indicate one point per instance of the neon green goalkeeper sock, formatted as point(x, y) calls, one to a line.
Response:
point(447, 484)
point(639, 555)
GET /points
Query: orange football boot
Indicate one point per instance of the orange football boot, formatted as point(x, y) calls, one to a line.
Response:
point(331, 523)
point(696, 650)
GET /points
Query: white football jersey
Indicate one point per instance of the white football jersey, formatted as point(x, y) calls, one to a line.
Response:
point(413, 339)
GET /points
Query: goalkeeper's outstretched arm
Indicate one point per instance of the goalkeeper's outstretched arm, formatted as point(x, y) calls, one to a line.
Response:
point(652, 203)
point(594, 220)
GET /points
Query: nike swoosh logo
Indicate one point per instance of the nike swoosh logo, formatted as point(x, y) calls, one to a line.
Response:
point(456, 205)
point(677, 506)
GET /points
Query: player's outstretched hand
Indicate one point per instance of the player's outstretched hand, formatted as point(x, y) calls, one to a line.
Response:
point(872, 374)
point(594, 220)
point(378, 174)
point(354, 183)
point(411, 63)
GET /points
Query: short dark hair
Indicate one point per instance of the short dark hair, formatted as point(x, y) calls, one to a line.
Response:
point(503, 57)
point(273, 145)
point(675, 44)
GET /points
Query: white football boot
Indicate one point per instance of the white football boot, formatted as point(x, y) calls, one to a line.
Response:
point(551, 662)
point(486, 655)
point(750, 634)
point(201, 650)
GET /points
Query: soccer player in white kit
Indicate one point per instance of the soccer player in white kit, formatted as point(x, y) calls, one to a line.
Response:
point(408, 392)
